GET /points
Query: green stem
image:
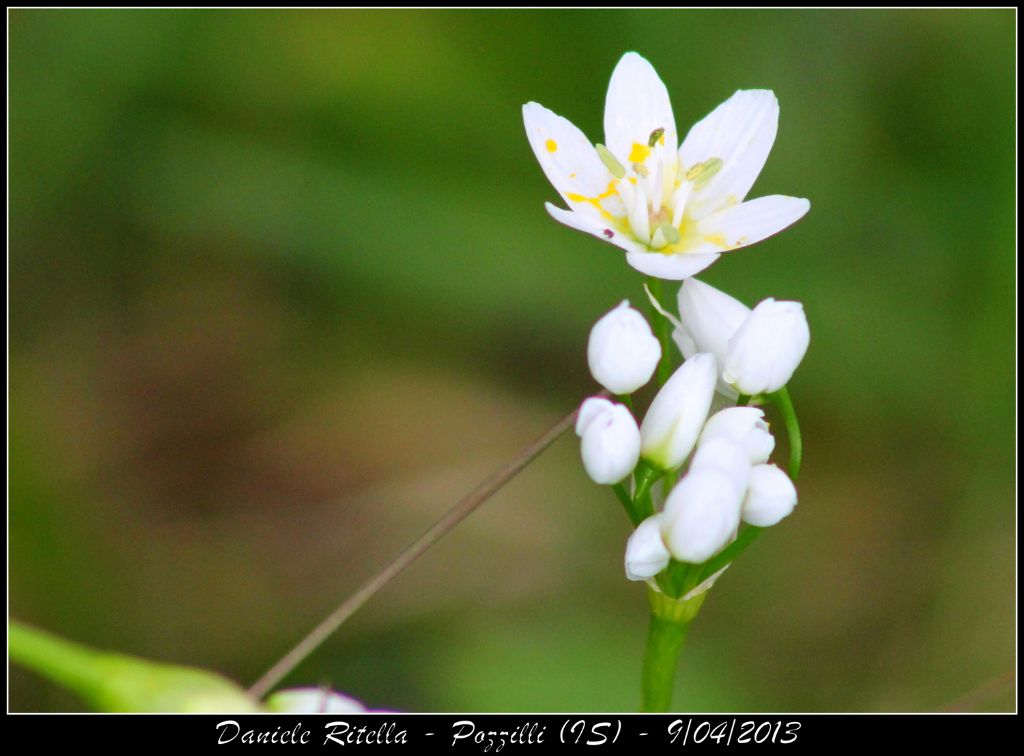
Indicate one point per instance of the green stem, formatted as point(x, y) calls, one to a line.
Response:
point(730, 552)
point(663, 330)
point(632, 510)
point(670, 622)
point(796, 448)
point(646, 476)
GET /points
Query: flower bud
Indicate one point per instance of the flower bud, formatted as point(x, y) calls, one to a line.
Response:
point(767, 348)
point(312, 701)
point(702, 515)
point(708, 319)
point(744, 426)
point(675, 417)
point(646, 554)
point(622, 351)
point(728, 458)
point(610, 444)
point(771, 496)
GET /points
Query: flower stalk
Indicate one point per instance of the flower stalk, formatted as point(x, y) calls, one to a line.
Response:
point(670, 622)
point(663, 330)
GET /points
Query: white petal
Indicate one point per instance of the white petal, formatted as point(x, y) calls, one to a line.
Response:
point(568, 158)
point(670, 267)
point(594, 226)
point(749, 223)
point(636, 105)
point(740, 132)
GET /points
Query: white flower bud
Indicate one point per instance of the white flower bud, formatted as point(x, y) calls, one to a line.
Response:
point(708, 319)
point(622, 351)
point(702, 515)
point(728, 458)
point(312, 701)
point(745, 426)
point(675, 417)
point(646, 554)
point(771, 496)
point(589, 410)
point(610, 444)
point(767, 348)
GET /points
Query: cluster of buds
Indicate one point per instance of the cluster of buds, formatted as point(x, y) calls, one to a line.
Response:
point(729, 350)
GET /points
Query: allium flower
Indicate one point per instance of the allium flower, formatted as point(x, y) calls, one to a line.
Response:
point(609, 440)
point(622, 351)
point(673, 211)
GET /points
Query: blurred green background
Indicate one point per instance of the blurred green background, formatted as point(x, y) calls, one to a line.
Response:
point(282, 288)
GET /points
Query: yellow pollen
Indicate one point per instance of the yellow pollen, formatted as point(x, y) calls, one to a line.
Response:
point(719, 241)
point(639, 153)
point(596, 201)
point(551, 144)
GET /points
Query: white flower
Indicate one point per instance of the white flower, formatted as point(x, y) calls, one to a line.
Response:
point(622, 351)
point(767, 348)
point(675, 417)
point(646, 553)
point(770, 496)
point(610, 440)
point(673, 211)
point(745, 426)
point(702, 515)
point(313, 701)
point(728, 458)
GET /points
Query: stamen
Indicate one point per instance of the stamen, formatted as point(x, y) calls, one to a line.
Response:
point(679, 199)
point(701, 172)
point(639, 220)
point(610, 162)
point(656, 190)
point(655, 136)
